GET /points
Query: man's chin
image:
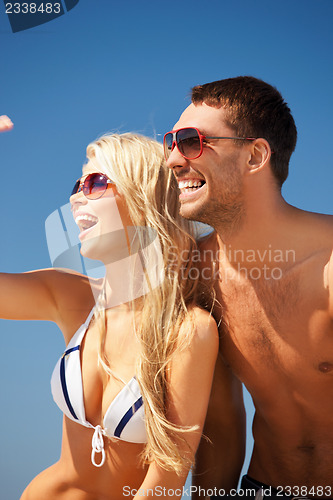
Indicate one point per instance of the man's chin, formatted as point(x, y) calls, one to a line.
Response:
point(187, 213)
point(192, 214)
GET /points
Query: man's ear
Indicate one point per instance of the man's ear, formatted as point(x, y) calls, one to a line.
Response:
point(260, 154)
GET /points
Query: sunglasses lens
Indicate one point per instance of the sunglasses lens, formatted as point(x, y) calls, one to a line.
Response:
point(167, 144)
point(188, 142)
point(76, 187)
point(94, 186)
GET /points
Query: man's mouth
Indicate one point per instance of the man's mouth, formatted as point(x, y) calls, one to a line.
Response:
point(190, 186)
point(86, 222)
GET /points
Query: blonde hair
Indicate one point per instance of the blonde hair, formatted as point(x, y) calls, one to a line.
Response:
point(136, 164)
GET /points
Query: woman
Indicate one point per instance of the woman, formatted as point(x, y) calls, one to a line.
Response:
point(135, 377)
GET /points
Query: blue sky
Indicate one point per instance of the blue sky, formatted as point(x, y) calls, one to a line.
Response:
point(129, 66)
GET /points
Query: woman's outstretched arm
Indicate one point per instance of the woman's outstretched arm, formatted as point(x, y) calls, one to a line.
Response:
point(26, 295)
point(191, 375)
point(45, 294)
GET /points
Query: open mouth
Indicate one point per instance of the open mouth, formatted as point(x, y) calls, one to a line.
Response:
point(86, 222)
point(190, 186)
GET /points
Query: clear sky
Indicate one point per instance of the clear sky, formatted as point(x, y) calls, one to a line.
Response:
point(129, 66)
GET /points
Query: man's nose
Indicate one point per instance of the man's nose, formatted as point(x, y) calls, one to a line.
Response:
point(176, 160)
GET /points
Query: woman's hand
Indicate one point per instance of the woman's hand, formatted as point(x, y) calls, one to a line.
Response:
point(5, 123)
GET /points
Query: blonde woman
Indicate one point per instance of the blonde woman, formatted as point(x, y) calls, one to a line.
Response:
point(134, 379)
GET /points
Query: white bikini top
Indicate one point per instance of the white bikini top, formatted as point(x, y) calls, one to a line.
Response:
point(124, 419)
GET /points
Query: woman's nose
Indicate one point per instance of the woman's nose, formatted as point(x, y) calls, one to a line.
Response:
point(77, 199)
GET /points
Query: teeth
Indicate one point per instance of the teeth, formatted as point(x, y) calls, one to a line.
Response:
point(85, 217)
point(85, 221)
point(190, 184)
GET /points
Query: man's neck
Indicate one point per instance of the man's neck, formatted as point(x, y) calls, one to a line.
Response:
point(268, 226)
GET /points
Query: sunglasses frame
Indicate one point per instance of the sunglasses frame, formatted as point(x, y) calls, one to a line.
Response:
point(201, 138)
point(83, 179)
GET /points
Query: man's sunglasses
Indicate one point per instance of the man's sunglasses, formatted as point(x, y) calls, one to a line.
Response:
point(189, 142)
point(93, 186)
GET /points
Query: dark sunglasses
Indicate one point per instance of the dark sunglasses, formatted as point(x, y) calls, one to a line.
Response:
point(93, 186)
point(189, 142)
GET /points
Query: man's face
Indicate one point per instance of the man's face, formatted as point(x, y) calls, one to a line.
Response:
point(220, 168)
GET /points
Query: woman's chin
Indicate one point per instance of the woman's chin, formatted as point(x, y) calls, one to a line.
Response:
point(88, 249)
point(105, 248)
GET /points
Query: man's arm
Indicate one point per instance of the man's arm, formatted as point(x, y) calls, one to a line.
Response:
point(329, 284)
point(219, 461)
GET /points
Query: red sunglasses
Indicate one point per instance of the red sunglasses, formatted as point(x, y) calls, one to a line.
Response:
point(93, 186)
point(189, 142)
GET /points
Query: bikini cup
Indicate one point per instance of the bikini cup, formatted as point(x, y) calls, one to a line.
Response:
point(124, 418)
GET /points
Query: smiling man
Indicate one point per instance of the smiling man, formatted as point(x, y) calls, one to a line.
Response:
point(271, 266)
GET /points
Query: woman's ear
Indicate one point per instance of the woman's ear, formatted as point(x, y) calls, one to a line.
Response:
point(260, 154)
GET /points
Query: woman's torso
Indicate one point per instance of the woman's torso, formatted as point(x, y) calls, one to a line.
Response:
point(74, 476)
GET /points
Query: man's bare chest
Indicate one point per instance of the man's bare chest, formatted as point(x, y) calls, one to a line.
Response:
point(279, 323)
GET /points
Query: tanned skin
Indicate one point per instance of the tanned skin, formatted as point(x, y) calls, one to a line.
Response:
point(66, 298)
point(271, 266)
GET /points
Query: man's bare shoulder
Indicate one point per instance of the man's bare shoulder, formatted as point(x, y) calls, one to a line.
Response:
point(326, 219)
point(321, 226)
point(310, 235)
point(314, 241)
point(321, 233)
point(328, 282)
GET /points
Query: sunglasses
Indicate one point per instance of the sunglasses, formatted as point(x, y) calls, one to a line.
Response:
point(93, 186)
point(189, 142)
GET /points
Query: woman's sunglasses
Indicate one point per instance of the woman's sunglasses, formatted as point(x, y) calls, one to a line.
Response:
point(93, 186)
point(189, 142)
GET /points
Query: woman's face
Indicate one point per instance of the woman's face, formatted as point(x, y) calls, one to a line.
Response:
point(103, 222)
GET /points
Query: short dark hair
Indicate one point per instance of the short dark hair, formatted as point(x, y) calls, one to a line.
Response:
point(254, 109)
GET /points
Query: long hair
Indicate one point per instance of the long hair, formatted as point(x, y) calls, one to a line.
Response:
point(136, 165)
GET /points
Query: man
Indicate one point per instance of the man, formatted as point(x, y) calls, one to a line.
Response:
point(272, 269)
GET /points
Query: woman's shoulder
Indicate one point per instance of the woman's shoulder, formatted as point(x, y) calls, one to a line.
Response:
point(202, 325)
point(61, 278)
point(198, 343)
point(74, 294)
point(199, 314)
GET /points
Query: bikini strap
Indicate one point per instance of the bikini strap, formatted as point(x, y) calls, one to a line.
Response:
point(89, 318)
point(80, 332)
